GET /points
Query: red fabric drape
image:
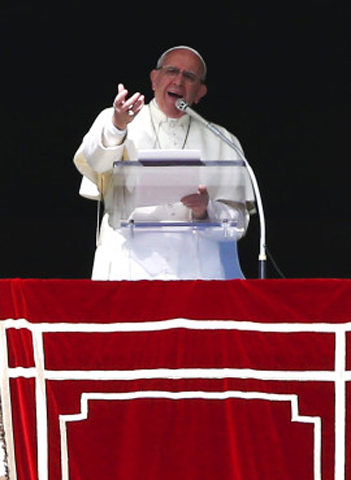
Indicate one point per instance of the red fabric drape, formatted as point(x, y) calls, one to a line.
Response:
point(267, 300)
point(177, 380)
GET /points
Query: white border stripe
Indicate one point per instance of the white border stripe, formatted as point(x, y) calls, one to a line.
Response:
point(185, 395)
point(156, 326)
point(41, 406)
point(340, 406)
point(339, 376)
point(169, 373)
point(6, 404)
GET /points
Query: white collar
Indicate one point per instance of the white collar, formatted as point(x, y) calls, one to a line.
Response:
point(159, 117)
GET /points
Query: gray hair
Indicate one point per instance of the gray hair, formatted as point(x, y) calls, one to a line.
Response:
point(183, 47)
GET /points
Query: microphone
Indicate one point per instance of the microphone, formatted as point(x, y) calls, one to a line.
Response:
point(183, 106)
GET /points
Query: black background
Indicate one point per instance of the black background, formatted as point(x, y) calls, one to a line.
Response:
point(278, 78)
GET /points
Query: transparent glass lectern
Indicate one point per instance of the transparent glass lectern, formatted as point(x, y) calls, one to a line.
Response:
point(187, 249)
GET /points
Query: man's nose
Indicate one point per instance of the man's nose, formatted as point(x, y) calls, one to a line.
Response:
point(179, 78)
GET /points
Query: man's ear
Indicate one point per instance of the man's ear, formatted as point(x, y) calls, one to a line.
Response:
point(153, 76)
point(201, 93)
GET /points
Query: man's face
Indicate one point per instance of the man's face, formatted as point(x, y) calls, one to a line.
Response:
point(179, 77)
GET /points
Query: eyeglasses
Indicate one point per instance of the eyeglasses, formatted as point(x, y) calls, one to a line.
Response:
point(173, 72)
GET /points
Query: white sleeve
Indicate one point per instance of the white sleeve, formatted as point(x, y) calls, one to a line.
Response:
point(112, 136)
point(100, 144)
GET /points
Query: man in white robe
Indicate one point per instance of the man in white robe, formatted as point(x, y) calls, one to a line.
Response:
point(118, 133)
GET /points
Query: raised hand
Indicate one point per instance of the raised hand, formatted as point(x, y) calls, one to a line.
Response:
point(125, 109)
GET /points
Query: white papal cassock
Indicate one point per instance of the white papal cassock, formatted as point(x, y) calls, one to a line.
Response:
point(172, 253)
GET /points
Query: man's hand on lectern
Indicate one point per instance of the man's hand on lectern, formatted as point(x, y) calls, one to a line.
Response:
point(198, 203)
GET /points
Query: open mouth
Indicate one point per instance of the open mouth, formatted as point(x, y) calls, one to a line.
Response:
point(174, 95)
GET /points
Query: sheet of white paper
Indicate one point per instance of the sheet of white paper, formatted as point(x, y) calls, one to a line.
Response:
point(169, 157)
point(160, 186)
point(166, 176)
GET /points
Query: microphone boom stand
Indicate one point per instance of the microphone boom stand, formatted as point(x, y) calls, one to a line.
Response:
point(262, 257)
